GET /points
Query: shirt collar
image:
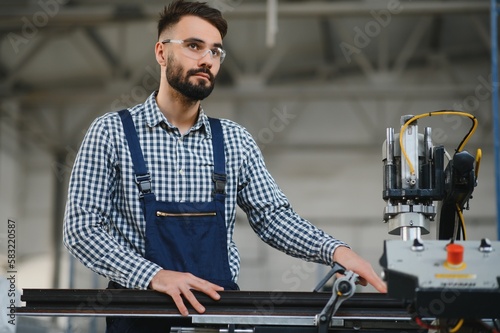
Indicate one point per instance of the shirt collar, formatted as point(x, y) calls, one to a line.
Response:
point(155, 117)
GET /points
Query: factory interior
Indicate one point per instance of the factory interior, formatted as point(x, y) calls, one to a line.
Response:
point(316, 83)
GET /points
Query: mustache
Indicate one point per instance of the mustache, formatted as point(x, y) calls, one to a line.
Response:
point(201, 70)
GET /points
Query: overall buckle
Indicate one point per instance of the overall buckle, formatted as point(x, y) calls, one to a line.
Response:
point(220, 183)
point(144, 183)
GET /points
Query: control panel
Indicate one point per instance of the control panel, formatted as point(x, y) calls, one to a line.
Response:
point(443, 278)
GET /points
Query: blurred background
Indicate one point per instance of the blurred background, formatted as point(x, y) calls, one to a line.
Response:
point(316, 82)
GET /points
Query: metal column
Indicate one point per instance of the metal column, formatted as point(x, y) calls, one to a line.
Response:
point(494, 81)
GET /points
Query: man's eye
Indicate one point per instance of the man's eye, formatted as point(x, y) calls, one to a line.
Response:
point(216, 52)
point(193, 46)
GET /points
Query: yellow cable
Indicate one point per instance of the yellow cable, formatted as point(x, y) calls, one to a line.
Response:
point(460, 147)
point(429, 114)
point(479, 154)
point(457, 326)
point(462, 220)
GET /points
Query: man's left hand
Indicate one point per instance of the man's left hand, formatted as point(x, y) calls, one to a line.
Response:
point(353, 262)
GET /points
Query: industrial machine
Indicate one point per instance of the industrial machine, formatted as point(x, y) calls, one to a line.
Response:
point(416, 180)
point(450, 280)
point(449, 284)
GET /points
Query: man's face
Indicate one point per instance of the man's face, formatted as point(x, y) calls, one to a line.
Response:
point(188, 82)
point(193, 78)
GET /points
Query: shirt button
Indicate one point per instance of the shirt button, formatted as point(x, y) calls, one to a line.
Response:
point(181, 171)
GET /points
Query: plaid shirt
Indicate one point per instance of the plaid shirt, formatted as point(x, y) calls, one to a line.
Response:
point(104, 225)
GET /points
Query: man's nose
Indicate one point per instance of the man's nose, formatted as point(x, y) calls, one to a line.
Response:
point(206, 60)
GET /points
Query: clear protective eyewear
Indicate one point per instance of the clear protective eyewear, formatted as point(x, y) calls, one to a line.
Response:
point(196, 49)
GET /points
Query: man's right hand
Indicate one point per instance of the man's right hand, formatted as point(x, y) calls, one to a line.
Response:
point(177, 284)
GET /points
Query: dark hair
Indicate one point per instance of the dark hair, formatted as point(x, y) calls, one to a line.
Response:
point(173, 13)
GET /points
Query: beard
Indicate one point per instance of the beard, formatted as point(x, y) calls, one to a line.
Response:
point(193, 91)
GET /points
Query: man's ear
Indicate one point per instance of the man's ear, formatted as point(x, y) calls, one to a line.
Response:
point(161, 55)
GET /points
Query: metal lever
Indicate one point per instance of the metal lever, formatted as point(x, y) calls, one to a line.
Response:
point(336, 268)
point(343, 288)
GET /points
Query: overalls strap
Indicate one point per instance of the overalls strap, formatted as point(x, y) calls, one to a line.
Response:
point(219, 175)
point(142, 176)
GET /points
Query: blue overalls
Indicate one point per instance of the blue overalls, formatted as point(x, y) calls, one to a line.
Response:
point(180, 236)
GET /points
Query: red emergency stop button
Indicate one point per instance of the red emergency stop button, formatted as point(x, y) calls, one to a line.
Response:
point(455, 257)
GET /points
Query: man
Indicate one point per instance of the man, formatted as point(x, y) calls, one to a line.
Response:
point(153, 192)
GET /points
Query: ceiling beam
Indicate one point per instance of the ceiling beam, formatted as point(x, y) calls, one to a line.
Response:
point(14, 18)
point(111, 57)
point(365, 8)
point(409, 48)
point(307, 90)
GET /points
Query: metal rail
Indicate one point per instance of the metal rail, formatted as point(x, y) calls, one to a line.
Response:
point(284, 309)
